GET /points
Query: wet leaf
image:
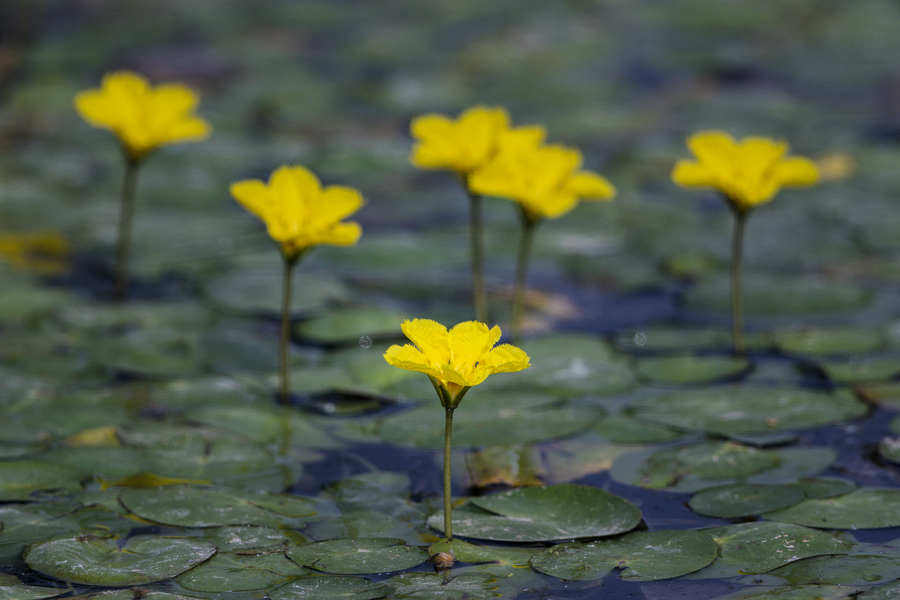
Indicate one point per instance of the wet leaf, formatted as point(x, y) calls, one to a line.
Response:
point(744, 500)
point(89, 560)
point(240, 572)
point(819, 341)
point(348, 556)
point(325, 587)
point(555, 512)
point(642, 556)
point(691, 369)
point(863, 508)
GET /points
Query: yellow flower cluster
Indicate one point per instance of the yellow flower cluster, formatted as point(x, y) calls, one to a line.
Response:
point(511, 162)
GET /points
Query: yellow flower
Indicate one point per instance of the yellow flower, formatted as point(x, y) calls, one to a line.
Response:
point(748, 173)
point(455, 360)
point(43, 252)
point(546, 180)
point(141, 116)
point(298, 212)
point(464, 144)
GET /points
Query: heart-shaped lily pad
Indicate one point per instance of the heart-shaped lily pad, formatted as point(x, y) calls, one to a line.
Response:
point(22, 478)
point(744, 500)
point(642, 556)
point(691, 369)
point(818, 341)
point(349, 556)
point(556, 512)
point(334, 587)
point(865, 508)
point(490, 421)
point(732, 409)
point(761, 546)
point(89, 560)
point(226, 572)
point(188, 506)
point(348, 325)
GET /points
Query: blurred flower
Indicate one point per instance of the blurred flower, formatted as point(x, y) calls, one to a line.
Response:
point(463, 144)
point(42, 252)
point(457, 359)
point(546, 180)
point(836, 166)
point(298, 212)
point(141, 116)
point(748, 173)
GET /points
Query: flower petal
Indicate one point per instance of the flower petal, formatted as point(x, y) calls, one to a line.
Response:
point(430, 337)
point(410, 358)
point(796, 171)
point(506, 359)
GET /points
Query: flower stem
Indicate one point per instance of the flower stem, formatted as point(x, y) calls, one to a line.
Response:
point(479, 294)
point(448, 430)
point(126, 215)
point(285, 330)
point(528, 225)
point(737, 310)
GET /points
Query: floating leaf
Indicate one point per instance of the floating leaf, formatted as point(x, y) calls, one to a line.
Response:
point(11, 588)
point(840, 570)
point(493, 421)
point(671, 339)
point(240, 572)
point(266, 424)
point(730, 410)
point(466, 552)
point(859, 370)
point(744, 500)
point(348, 556)
point(642, 556)
point(761, 546)
point(257, 290)
point(331, 587)
point(556, 512)
point(624, 428)
point(188, 506)
point(19, 480)
point(89, 560)
point(764, 296)
point(865, 508)
point(437, 586)
point(819, 341)
point(155, 353)
point(347, 325)
point(691, 369)
point(24, 524)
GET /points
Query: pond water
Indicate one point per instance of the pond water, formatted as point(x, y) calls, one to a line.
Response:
point(142, 450)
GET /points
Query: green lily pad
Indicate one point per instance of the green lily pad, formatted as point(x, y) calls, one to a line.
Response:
point(556, 512)
point(490, 421)
point(656, 338)
point(730, 410)
point(227, 572)
point(825, 487)
point(865, 508)
point(114, 462)
point(840, 570)
point(348, 556)
point(24, 524)
point(819, 341)
point(888, 591)
point(699, 466)
point(331, 587)
point(187, 506)
point(249, 539)
point(889, 449)
point(642, 556)
point(467, 552)
point(437, 586)
point(861, 370)
point(769, 297)
point(20, 479)
point(266, 424)
point(761, 546)
point(155, 353)
point(346, 326)
point(572, 365)
point(795, 592)
point(257, 290)
point(744, 500)
point(11, 588)
point(89, 560)
point(233, 351)
point(624, 428)
point(691, 369)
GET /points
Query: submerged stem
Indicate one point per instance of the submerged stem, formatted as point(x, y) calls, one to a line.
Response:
point(448, 431)
point(737, 310)
point(528, 225)
point(126, 215)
